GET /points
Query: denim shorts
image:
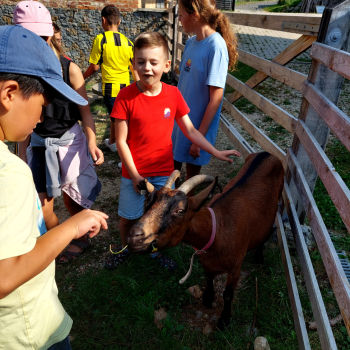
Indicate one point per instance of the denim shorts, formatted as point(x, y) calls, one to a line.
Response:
point(130, 202)
point(62, 345)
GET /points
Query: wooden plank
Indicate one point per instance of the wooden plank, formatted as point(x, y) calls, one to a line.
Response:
point(235, 137)
point(168, 38)
point(334, 184)
point(285, 75)
point(277, 113)
point(180, 46)
point(177, 61)
point(337, 120)
point(256, 133)
point(320, 314)
point(295, 49)
point(275, 21)
point(299, 322)
point(335, 59)
point(169, 24)
point(335, 272)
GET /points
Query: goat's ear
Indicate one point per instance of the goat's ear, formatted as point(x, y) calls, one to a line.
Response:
point(197, 201)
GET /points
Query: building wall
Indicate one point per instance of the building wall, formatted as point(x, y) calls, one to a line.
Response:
point(80, 26)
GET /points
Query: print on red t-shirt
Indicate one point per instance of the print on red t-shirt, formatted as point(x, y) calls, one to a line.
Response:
point(151, 122)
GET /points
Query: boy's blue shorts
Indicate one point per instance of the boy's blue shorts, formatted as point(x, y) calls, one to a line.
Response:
point(130, 202)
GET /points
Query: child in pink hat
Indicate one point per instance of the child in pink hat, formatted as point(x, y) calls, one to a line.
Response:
point(34, 16)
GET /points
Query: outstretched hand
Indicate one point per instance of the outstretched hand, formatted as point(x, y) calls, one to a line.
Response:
point(224, 155)
point(88, 221)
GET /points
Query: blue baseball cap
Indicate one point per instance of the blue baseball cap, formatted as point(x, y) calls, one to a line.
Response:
point(23, 52)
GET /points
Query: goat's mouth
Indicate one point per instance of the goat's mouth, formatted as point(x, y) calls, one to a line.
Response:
point(142, 247)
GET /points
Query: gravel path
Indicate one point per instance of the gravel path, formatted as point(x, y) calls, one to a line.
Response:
point(256, 6)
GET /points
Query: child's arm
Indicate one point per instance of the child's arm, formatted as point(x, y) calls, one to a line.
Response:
point(121, 134)
point(215, 98)
point(18, 270)
point(78, 84)
point(93, 68)
point(198, 139)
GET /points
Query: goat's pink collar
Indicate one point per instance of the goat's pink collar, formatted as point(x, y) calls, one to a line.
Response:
point(213, 232)
point(208, 245)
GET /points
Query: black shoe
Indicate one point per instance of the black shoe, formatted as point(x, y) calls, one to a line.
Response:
point(114, 260)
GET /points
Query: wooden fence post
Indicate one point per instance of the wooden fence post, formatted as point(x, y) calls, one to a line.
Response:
point(334, 32)
point(174, 55)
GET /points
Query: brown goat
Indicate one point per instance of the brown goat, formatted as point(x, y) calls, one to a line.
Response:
point(244, 212)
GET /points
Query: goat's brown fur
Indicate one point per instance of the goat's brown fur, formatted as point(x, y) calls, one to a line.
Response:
point(245, 213)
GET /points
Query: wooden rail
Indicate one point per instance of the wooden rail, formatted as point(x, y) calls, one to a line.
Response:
point(288, 22)
point(266, 143)
point(317, 305)
point(337, 60)
point(334, 184)
point(337, 120)
point(292, 51)
point(275, 112)
point(330, 258)
point(285, 75)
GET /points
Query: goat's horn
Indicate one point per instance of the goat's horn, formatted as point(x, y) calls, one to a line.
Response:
point(194, 181)
point(149, 186)
point(172, 178)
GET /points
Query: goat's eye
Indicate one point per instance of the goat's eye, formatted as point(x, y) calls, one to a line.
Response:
point(180, 212)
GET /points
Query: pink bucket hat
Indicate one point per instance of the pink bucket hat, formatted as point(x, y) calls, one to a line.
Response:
point(33, 16)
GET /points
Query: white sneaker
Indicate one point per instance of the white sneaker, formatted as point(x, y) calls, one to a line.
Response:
point(112, 147)
point(120, 165)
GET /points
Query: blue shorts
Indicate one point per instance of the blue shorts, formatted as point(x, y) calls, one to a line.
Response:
point(130, 202)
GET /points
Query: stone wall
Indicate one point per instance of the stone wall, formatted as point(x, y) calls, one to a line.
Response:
point(80, 26)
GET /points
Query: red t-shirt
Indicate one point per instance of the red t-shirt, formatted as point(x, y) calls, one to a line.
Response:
point(151, 122)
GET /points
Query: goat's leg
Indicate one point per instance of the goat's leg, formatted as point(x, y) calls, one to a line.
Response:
point(209, 293)
point(231, 284)
point(259, 253)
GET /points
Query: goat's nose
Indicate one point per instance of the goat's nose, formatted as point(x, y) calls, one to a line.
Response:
point(136, 235)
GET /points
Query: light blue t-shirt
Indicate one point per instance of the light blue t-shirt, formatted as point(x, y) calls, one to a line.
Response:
point(204, 63)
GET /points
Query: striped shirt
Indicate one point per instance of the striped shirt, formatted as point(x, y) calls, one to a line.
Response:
point(113, 51)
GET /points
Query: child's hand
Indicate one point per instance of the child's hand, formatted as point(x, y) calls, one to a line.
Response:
point(223, 155)
point(88, 220)
point(194, 151)
point(136, 181)
point(96, 154)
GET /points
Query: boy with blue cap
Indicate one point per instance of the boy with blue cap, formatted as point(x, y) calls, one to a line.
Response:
point(31, 315)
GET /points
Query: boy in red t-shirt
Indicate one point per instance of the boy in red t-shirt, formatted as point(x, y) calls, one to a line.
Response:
point(145, 112)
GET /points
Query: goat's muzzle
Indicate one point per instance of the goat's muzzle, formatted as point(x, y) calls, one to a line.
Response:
point(138, 241)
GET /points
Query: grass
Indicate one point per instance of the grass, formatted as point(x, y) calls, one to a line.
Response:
point(114, 310)
point(282, 5)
